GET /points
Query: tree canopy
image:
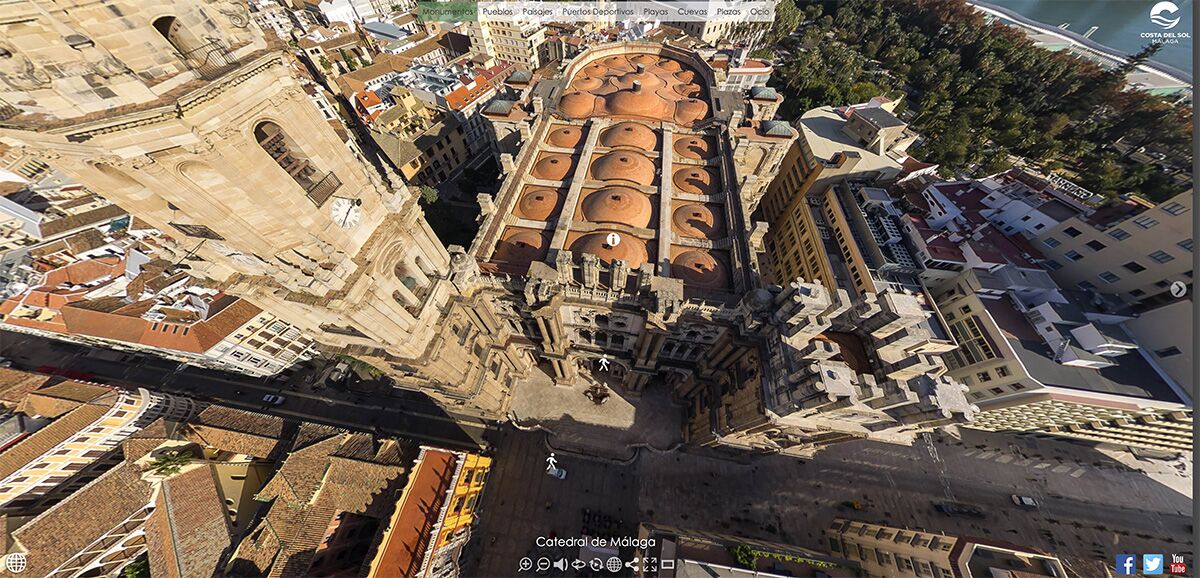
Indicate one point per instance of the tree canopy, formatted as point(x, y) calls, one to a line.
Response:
point(981, 92)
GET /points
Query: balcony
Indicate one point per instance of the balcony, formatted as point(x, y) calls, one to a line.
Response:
point(209, 60)
point(7, 110)
point(320, 190)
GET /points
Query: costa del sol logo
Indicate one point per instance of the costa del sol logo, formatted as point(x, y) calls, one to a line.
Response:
point(1161, 14)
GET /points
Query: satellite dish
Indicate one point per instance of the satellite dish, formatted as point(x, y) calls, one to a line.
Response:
point(613, 239)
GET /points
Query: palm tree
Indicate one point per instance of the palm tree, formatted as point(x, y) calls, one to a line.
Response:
point(169, 463)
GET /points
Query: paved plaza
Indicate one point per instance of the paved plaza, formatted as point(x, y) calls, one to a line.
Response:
point(1116, 502)
point(612, 430)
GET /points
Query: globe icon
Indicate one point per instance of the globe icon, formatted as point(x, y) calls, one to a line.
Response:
point(15, 563)
point(614, 564)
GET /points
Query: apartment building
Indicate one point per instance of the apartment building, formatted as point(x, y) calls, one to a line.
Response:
point(1131, 248)
point(682, 552)
point(519, 43)
point(273, 16)
point(736, 71)
point(179, 492)
point(36, 215)
point(335, 51)
point(87, 423)
point(1017, 202)
point(886, 552)
point(353, 12)
point(433, 516)
point(131, 303)
point(1167, 337)
point(454, 528)
point(1038, 359)
point(430, 156)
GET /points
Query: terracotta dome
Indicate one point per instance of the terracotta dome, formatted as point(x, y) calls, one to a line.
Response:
point(636, 102)
point(697, 267)
point(693, 147)
point(686, 75)
point(624, 165)
point(697, 221)
point(596, 69)
point(553, 167)
point(521, 247)
point(629, 134)
point(539, 204)
point(618, 63)
point(617, 205)
point(648, 80)
point(695, 180)
point(644, 59)
point(669, 65)
point(578, 104)
point(688, 90)
point(565, 136)
point(587, 83)
point(631, 250)
point(690, 110)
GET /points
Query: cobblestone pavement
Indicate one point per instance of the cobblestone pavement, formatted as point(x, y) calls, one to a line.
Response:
point(1095, 504)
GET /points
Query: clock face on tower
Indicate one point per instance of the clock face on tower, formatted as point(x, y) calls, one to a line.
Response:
point(346, 212)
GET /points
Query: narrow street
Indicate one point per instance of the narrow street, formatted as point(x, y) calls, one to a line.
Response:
point(402, 413)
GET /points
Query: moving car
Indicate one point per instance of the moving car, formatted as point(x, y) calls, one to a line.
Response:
point(1025, 502)
point(274, 399)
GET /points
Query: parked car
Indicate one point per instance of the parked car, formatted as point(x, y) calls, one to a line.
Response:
point(339, 372)
point(958, 509)
point(1025, 502)
point(557, 473)
point(274, 399)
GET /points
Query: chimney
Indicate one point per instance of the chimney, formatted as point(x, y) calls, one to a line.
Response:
point(637, 86)
point(641, 67)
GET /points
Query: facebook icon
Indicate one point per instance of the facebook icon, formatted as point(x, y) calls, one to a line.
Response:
point(1126, 563)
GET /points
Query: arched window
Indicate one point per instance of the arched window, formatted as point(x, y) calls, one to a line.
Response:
point(317, 185)
point(207, 58)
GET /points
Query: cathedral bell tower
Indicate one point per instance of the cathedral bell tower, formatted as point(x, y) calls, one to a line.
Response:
point(185, 114)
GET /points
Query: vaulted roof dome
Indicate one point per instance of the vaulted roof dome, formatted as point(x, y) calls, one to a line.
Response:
point(624, 165)
point(694, 147)
point(630, 249)
point(695, 180)
point(522, 247)
point(554, 167)
point(565, 136)
point(690, 110)
point(697, 220)
point(644, 59)
point(539, 204)
point(669, 65)
point(688, 90)
point(618, 63)
point(698, 267)
point(587, 83)
point(637, 101)
point(617, 205)
point(629, 134)
point(648, 80)
point(578, 104)
point(686, 75)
